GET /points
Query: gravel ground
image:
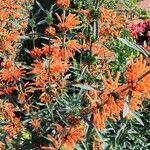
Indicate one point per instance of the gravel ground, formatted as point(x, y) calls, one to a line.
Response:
point(145, 4)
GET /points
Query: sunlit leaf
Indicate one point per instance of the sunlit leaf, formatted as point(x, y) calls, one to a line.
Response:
point(126, 105)
point(138, 118)
point(84, 86)
point(135, 46)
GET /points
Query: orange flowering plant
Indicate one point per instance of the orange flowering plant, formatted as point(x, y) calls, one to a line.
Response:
point(59, 89)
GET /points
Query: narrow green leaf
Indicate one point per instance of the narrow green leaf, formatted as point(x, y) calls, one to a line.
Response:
point(98, 134)
point(138, 118)
point(120, 134)
point(41, 6)
point(135, 46)
point(84, 86)
point(126, 105)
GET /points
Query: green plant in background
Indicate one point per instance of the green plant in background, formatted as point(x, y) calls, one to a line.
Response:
point(72, 85)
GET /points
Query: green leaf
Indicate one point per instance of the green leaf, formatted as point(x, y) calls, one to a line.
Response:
point(135, 46)
point(137, 118)
point(82, 74)
point(98, 134)
point(84, 86)
point(120, 134)
point(126, 105)
point(41, 22)
point(41, 6)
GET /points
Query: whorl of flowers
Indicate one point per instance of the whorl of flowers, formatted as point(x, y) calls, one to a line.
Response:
point(64, 91)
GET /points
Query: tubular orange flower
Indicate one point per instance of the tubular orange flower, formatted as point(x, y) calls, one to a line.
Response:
point(99, 117)
point(22, 97)
point(74, 135)
point(99, 50)
point(58, 67)
point(6, 90)
point(2, 146)
point(45, 98)
point(36, 53)
point(10, 130)
point(12, 74)
point(63, 3)
point(67, 141)
point(35, 123)
point(112, 96)
point(13, 125)
point(138, 76)
point(50, 31)
point(71, 47)
point(110, 23)
point(71, 21)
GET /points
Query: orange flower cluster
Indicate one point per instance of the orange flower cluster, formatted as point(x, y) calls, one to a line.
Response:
point(68, 141)
point(107, 105)
point(63, 3)
point(138, 79)
point(11, 72)
point(110, 103)
point(110, 24)
point(69, 23)
point(13, 126)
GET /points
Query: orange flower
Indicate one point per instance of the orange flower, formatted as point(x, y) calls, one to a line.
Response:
point(74, 135)
point(2, 145)
point(45, 98)
point(12, 74)
point(22, 97)
point(50, 31)
point(6, 64)
point(58, 68)
point(4, 90)
point(53, 50)
point(99, 117)
point(35, 123)
point(10, 130)
point(135, 76)
point(99, 50)
point(112, 96)
point(110, 23)
point(36, 53)
point(67, 141)
point(41, 80)
point(13, 123)
point(63, 3)
point(69, 51)
point(106, 105)
point(71, 21)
